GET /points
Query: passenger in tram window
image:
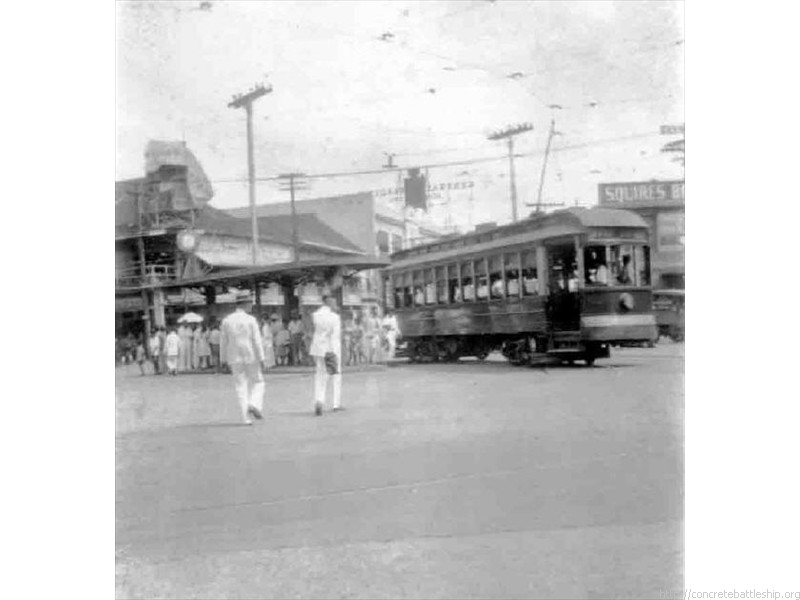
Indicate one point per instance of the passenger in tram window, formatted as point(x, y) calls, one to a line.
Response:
point(469, 289)
point(530, 282)
point(626, 273)
point(572, 283)
point(483, 288)
point(601, 275)
point(455, 292)
point(419, 296)
point(430, 294)
point(497, 286)
point(513, 284)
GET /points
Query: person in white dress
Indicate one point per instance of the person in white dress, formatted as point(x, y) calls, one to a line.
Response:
point(242, 349)
point(268, 342)
point(327, 339)
point(172, 348)
point(391, 331)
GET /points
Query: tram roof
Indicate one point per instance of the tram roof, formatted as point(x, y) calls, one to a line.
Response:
point(561, 222)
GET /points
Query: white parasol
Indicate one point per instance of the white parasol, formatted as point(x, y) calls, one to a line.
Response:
point(191, 317)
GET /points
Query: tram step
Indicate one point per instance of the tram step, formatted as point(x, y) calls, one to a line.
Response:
point(567, 351)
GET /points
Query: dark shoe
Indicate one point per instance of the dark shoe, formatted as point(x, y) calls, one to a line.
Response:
point(318, 409)
point(252, 410)
point(338, 408)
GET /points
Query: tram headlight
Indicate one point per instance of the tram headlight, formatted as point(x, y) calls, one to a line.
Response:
point(626, 302)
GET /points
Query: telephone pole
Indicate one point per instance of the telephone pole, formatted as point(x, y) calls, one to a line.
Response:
point(289, 181)
point(246, 101)
point(508, 133)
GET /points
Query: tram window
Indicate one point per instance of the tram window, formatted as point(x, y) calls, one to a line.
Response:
point(595, 267)
point(419, 294)
point(388, 292)
point(622, 265)
point(512, 274)
point(563, 268)
point(430, 291)
point(399, 296)
point(641, 257)
point(408, 296)
point(496, 287)
point(481, 279)
point(441, 285)
point(530, 274)
point(467, 282)
point(453, 289)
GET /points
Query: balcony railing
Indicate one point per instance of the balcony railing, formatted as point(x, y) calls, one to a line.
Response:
point(132, 276)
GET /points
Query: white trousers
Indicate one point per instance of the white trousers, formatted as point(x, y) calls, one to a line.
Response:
point(249, 384)
point(321, 378)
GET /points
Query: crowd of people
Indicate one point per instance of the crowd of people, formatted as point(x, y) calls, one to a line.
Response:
point(367, 338)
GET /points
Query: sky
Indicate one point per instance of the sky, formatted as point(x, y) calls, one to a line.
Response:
point(425, 81)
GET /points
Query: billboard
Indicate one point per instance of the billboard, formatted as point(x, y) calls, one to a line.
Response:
point(641, 192)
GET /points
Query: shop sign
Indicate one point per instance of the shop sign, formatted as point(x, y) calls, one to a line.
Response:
point(272, 294)
point(641, 191)
point(229, 251)
point(128, 304)
point(310, 295)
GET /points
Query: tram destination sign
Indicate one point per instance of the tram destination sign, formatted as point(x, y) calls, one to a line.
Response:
point(639, 192)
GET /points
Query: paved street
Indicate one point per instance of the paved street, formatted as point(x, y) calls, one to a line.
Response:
point(439, 481)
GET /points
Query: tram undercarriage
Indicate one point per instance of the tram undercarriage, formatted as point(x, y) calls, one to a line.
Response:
point(531, 350)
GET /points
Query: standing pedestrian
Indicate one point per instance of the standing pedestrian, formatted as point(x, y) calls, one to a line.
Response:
point(185, 354)
point(213, 343)
point(241, 348)
point(391, 333)
point(326, 348)
point(202, 348)
point(162, 354)
point(197, 336)
point(268, 343)
point(296, 339)
point(172, 349)
point(140, 356)
point(154, 344)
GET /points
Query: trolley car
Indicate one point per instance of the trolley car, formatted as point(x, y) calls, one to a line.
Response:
point(563, 286)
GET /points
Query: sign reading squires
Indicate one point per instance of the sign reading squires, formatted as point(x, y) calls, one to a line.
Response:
point(640, 192)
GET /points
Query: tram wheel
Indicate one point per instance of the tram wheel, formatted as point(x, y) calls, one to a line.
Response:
point(482, 355)
point(590, 361)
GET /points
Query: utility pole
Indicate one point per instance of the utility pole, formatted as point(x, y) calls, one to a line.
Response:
point(246, 101)
point(551, 134)
point(508, 133)
point(293, 183)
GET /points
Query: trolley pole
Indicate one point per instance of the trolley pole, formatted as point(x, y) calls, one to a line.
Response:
point(552, 133)
point(246, 101)
point(509, 134)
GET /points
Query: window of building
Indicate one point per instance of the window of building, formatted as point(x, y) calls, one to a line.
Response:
point(496, 286)
point(512, 274)
point(467, 282)
point(382, 240)
point(441, 285)
point(397, 242)
point(530, 273)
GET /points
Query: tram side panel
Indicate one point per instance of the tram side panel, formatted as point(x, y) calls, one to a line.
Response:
point(617, 315)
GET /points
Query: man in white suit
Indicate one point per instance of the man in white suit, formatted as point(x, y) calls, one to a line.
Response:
point(241, 348)
point(327, 338)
